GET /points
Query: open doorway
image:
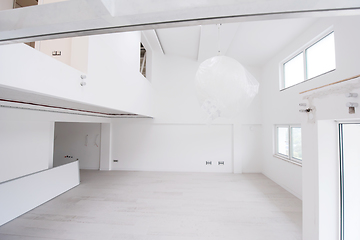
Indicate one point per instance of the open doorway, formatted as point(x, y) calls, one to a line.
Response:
point(77, 141)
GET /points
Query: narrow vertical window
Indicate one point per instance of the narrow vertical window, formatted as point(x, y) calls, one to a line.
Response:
point(296, 143)
point(283, 141)
point(142, 60)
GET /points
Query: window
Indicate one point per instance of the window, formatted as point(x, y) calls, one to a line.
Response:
point(288, 143)
point(314, 60)
point(349, 138)
point(142, 60)
point(294, 71)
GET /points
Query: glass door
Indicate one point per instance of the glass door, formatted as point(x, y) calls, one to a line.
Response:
point(350, 181)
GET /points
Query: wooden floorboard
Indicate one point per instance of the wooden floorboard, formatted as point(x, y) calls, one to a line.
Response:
point(164, 206)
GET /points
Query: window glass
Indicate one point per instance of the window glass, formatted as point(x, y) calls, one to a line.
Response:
point(296, 143)
point(283, 140)
point(142, 60)
point(294, 71)
point(320, 57)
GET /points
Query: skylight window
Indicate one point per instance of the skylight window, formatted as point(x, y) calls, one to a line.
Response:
point(312, 61)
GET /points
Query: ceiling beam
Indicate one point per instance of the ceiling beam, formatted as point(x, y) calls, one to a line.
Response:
point(90, 17)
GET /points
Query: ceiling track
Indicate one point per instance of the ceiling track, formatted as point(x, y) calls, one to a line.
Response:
point(181, 23)
point(73, 111)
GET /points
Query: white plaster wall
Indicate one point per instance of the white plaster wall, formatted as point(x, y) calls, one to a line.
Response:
point(27, 140)
point(63, 45)
point(143, 146)
point(114, 80)
point(180, 124)
point(74, 51)
point(113, 73)
point(81, 141)
point(25, 147)
point(6, 4)
point(106, 146)
point(282, 108)
point(80, 53)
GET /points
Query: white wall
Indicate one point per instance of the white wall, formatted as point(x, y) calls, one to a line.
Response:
point(113, 79)
point(74, 51)
point(60, 45)
point(282, 107)
point(178, 139)
point(141, 145)
point(77, 141)
point(6, 4)
point(80, 53)
point(24, 194)
point(27, 139)
point(25, 147)
point(106, 146)
point(113, 73)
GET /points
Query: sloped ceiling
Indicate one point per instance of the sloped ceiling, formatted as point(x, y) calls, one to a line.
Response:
point(251, 43)
point(255, 43)
point(182, 41)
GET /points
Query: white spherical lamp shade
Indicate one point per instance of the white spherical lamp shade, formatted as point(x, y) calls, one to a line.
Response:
point(224, 87)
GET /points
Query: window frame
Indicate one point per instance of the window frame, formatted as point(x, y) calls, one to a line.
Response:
point(302, 50)
point(288, 158)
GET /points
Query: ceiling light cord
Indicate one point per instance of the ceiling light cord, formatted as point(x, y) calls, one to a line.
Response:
point(218, 40)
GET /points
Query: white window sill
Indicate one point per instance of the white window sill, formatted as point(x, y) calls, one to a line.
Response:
point(298, 163)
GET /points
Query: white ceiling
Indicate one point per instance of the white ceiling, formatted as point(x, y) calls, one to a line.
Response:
point(251, 43)
point(88, 17)
point(182, 41)
point(257, 42)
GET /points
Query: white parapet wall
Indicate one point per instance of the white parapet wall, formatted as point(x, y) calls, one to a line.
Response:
point(23, 194)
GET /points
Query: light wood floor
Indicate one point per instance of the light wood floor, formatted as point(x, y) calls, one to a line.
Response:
point(164, 206)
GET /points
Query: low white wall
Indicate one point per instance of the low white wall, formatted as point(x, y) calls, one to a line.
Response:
point(20, 195)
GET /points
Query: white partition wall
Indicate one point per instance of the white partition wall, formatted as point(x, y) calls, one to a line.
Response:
point(20, 195)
